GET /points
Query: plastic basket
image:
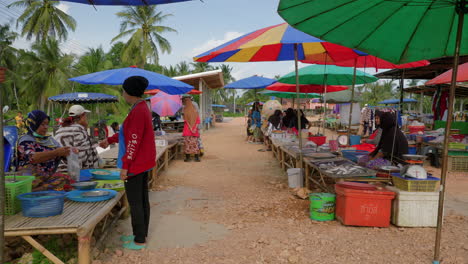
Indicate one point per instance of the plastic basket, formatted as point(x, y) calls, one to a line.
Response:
point(415, 185)
point(22, 185)
point(457, 163)
point(42, 204)
point(354, 155)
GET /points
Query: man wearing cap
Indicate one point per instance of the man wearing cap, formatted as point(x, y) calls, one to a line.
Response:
point(73, 133)
point(137, 156)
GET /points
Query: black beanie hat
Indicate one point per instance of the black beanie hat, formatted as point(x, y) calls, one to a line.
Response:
point(135, 85)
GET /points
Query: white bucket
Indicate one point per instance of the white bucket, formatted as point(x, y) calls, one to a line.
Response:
point(295, 178)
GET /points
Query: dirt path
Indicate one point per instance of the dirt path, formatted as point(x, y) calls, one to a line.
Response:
point(235, 207)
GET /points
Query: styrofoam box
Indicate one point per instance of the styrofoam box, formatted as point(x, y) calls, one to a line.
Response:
point(161, 142)
point(414, 209)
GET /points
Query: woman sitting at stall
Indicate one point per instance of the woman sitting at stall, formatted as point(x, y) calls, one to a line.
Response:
point(289, 119)
point(274, 123)
point(73, 133)
point(39, 155)
point(392, 144)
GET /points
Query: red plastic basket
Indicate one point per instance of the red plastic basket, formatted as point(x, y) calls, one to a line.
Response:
point(318, 140)
point(416, 129)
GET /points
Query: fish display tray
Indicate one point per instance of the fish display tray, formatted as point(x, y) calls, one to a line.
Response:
point(112, 175)
point(78, 197)
point(339, 162)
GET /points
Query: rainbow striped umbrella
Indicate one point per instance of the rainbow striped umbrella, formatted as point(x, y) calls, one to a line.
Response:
point(276, 43)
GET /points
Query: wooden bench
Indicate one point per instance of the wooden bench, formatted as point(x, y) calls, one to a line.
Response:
point(77, 218)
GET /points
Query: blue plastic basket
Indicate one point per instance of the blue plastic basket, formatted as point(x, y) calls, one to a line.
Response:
point(76, 196)
point(42, 204)
point(115, 175)
point(354, 155)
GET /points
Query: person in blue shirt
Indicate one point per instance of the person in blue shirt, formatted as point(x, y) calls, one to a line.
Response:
point(257, 121)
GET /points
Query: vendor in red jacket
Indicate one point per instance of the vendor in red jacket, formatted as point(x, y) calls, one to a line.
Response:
point(137, 156)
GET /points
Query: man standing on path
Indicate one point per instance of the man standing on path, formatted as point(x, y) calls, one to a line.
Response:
point(137, 156)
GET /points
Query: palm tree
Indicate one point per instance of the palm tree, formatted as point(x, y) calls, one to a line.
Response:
point(183, 68)
point(201, 67)
point(94, 60)
point(115, 54)
point(143, 25)
point(42, 19)
point(47, 70)
point(8, 59)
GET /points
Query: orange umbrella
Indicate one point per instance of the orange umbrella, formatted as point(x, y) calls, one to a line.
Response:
point(155, 91)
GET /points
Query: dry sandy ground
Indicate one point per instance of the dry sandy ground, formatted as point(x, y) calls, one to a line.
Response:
point(235, 207)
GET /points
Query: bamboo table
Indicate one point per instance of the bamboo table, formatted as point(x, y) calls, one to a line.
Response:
point(164, 154)
point(77, 218)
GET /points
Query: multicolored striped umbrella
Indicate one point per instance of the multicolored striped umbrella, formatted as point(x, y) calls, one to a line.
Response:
point(306, 88)
point(276, 43)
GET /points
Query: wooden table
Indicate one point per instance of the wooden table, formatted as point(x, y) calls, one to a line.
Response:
point(176, 126)
point(77, 218)
point(164, 154)
point(314, 174)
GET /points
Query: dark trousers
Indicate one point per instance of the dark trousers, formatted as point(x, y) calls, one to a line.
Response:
point(136, 188)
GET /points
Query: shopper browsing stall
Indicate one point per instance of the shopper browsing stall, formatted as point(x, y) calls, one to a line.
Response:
point(191, 132)
point(137, 155)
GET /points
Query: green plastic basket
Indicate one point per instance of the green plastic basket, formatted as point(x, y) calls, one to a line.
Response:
point(22, 185)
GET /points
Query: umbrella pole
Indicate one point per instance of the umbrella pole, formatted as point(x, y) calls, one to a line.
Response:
point(352, 99)
point(402, 83)
point(299, 126)
point(324, 105)
point(440, 215)
point(2, 184)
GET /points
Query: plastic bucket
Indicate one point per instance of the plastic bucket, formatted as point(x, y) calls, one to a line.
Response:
point(319, 140)
point(412, 150)
point(322, 206)
point(295, 178)
point(354, 140)
point(333, 145)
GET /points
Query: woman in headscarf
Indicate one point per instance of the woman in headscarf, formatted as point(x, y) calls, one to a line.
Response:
point(304, 121)
point(40, 154)
point(289, 119)
point(392, 144)
point(190, 132)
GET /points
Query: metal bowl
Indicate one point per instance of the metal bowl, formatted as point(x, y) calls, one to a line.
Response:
point(84, 185)
point(414, 157)
point(95, 193)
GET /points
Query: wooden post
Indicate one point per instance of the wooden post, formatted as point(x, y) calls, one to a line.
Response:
point(166, 159)
point(84, 248)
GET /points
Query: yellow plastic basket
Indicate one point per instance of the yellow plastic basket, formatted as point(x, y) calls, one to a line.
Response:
point(416, 185)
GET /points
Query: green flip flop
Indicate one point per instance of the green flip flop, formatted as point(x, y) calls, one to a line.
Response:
point(133, 246)
point(127, 238)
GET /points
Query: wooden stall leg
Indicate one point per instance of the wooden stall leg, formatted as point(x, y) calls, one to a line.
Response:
point(166, 159)
point(283, 165)
point(84, 248)
point(307, 175)
point(42, 249)
point(126, 205)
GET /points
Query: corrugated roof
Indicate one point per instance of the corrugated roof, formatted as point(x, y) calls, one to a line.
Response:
point(214, 79)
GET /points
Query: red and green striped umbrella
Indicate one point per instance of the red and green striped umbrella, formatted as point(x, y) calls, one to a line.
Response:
point(276, 43)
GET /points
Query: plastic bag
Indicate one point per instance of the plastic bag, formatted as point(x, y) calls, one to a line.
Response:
point(74, 166)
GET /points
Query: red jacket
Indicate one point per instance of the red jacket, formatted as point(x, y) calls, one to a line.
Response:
point(139, 152)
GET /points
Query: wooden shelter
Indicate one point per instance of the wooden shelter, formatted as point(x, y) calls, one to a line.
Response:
point(460, 92)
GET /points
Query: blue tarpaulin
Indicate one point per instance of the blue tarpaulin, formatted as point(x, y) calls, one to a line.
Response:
point(254, 82)
point(83, 98)
point(217, 105)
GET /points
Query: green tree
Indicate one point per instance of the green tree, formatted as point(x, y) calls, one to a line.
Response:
point(201, 67)
point(223, 96)
point(9, 59)
point(183, 68)
point(47, 71)
point(115, 54)
point(42, 19)
point(143, 25)
point(94, 60)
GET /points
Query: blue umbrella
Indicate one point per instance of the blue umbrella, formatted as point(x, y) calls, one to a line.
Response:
point(397, 101)
point(118, 76)
point(254, 82)
point(217, 105)
point(125, 2)
point(84, 98)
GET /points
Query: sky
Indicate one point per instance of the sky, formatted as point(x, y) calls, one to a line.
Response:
point(200, 25)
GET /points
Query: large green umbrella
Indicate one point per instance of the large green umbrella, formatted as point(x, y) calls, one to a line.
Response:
point(398, 31)
point(327, 75)
point(290, 95)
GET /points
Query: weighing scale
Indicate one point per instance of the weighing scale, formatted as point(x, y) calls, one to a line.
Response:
point(414, 169)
